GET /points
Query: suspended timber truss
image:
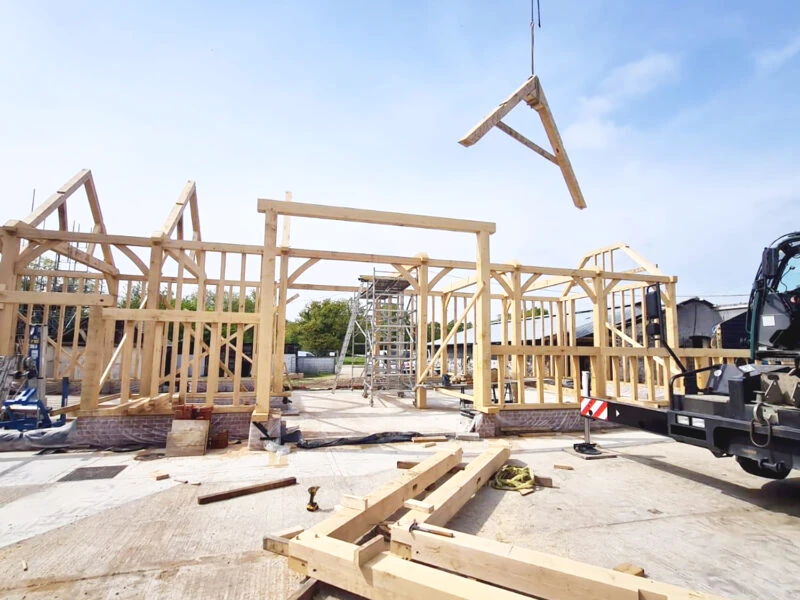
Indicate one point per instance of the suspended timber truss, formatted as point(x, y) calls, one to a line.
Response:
point(143, 323)
point(360, 550)
point(532, 94)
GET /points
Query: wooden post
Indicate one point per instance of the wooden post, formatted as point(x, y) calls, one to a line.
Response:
point(92, 360)
point(153, 297)
point(517, 316)
point(482, 367)
point(443, 332)
point(422, 333)
point(600, 361)
point(8, 282)
point(266, 330)
point(280, 326)
point(670, 332)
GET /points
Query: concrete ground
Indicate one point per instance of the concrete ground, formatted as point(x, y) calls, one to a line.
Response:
point(684, 516)
point(346, 413)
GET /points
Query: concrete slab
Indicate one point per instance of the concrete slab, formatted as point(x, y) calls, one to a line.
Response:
point(347, 413)
point(684, 516)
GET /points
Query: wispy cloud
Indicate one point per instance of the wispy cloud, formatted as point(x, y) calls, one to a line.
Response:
point(594, 127)
point(775, 58)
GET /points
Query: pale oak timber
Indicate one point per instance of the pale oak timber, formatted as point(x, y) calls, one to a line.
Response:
point(375, 217)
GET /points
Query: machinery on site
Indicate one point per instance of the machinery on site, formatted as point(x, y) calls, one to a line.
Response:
point(27, 409)
point(749, 411)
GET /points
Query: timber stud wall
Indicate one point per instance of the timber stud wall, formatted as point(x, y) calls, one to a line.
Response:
point(184, 320)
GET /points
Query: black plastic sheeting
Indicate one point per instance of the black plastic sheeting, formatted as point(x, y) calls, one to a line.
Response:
point(36, 439)
point(388, 437)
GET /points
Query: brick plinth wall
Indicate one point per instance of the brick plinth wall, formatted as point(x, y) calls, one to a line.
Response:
point(151, 430)
point(553, 420)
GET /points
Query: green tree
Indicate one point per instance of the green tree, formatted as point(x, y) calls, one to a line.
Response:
point(320, 327)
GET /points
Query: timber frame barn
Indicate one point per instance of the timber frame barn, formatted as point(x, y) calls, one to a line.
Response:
point(134, 336)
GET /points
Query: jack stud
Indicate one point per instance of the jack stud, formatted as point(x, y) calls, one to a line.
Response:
point(312, 506)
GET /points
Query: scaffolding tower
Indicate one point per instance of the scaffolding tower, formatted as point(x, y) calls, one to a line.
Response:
point(388, 325)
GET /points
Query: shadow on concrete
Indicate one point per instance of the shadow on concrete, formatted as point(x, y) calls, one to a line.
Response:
point(774, 496)
point(480, 508)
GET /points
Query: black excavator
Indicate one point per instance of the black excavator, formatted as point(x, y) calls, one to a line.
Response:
point(749, 411)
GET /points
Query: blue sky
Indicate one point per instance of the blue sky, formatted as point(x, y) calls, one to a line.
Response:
point(680, 120)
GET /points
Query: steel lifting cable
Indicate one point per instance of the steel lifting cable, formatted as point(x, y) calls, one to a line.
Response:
point(536, 16)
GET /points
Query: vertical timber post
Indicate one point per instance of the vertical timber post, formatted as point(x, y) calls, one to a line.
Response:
point(9, 243)
point(90, 383)
point(421, 394)
point(482, 368)
point(266, 327)
point(599, 362)
point(280, 325)
point(517, 315)
point(153, 298)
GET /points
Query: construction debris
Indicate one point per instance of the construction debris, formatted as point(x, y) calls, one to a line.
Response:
point(159, 475)
point(563, 467)
point(244, 491)
point(423, 439)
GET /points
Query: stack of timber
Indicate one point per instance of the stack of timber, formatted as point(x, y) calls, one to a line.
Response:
point(417, 557)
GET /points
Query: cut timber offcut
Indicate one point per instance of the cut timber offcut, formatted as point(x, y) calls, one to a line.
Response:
point(244, 491)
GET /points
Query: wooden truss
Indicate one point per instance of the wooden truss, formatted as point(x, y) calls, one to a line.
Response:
point(532, 94)
point(358, 550)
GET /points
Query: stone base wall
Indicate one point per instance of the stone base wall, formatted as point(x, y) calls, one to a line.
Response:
point(568, 419)
point(150, 430)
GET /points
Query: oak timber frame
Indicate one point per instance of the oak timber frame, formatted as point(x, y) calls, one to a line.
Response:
point(150, 312)
point(350, 550)
point(532, 94)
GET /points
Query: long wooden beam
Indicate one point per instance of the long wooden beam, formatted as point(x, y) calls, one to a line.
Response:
point(386, 576)
point(374, 217)
point(531, 572)
point(452, 495)
point(179, 316)
point(56, 298)
point(349, 524)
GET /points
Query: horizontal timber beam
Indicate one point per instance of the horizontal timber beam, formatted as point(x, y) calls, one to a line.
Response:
point(56, 298)
point(374, 217)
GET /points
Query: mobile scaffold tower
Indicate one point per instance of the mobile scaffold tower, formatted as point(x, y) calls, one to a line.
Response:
point(389, 329)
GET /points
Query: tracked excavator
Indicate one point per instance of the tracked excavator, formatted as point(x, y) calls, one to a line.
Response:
point(749, 411)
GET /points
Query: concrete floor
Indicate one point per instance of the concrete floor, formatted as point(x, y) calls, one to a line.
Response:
point(684, 516)
point(346, 413)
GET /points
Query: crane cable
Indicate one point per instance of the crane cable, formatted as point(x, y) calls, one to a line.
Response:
point(536, 16)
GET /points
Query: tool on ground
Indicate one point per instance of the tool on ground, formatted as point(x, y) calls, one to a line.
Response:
point(416, 527)
point(312, 506)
